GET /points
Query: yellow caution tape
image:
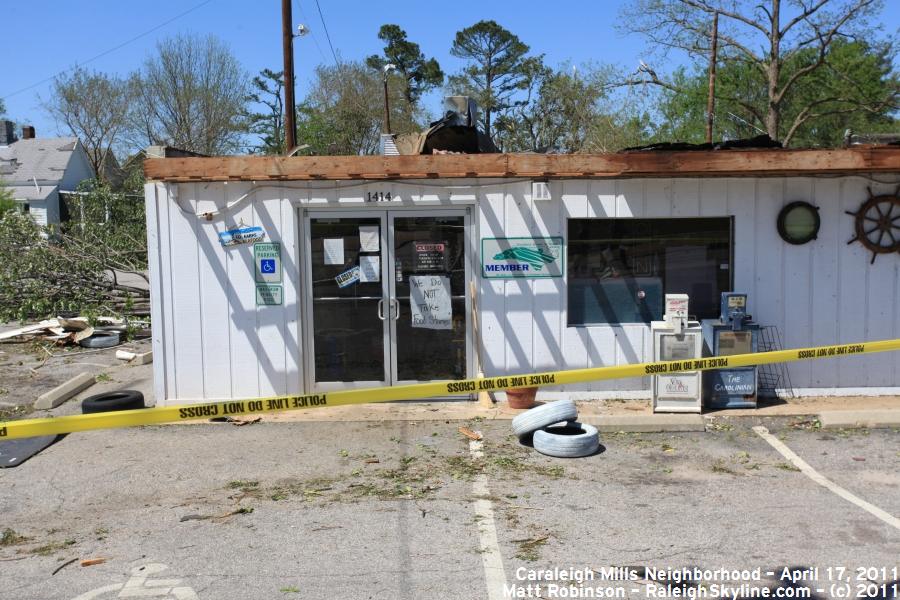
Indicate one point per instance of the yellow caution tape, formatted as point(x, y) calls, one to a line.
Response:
point(168, 414)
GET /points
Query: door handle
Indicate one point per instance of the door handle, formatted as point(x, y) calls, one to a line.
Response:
point(395, 304)
point(381, 309)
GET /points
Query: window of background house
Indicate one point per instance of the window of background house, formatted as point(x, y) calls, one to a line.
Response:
point(619, 270)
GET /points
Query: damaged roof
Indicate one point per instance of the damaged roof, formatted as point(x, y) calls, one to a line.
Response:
point(771, 162)
point(44, 159)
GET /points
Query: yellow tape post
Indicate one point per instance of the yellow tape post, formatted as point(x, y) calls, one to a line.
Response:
point(207, 410)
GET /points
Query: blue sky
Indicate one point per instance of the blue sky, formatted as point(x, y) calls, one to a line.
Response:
point(43, 37)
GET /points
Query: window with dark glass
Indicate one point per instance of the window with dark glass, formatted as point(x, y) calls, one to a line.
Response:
point(619, 270)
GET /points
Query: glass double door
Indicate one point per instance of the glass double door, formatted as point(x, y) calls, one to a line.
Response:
point(389, 301)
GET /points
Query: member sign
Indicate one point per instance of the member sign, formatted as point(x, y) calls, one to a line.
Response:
point(503, 258)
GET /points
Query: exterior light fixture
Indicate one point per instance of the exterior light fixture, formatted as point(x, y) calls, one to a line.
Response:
point(799, 222)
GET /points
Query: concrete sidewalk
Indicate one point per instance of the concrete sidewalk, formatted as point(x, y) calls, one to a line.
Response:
point(615, 415)
point(607, 415)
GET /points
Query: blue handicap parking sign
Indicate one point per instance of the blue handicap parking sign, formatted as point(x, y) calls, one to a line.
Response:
point(267, 265)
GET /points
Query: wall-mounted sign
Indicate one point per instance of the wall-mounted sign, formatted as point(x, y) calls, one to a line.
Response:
point(348, 277)
point(242, 235)
point(267, 257)
point(269, 295)
point(430, 257)
point(503, 258)
point(430, 302)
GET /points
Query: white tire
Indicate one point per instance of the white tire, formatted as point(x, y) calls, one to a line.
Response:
point(571, 440)
point(544, 415)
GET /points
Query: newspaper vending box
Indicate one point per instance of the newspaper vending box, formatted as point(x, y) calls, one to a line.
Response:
point(734, 332)
point(676, 338)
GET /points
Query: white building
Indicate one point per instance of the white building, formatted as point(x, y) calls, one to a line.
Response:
point(36, 170)
point(357, 237)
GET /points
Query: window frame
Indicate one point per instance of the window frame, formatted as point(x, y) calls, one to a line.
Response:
point(567, 243)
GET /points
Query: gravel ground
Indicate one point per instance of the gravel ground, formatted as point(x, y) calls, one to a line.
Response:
point(387, 510)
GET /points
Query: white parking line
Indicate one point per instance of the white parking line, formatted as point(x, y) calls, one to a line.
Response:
point(491, 559)
point(821, 480)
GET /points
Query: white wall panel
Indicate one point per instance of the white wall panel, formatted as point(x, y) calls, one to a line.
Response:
point(882, 307)
point(492, 299)
point(290, 264)
point(185, 291)
point(798, 280)
point(826, 251)
point(271, 329)
point(854, 290)
point(215, 315)
point(766, 304)
point(241, 299)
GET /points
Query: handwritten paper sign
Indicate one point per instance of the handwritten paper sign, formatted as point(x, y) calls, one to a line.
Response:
point(369, 268)
point(430, 302)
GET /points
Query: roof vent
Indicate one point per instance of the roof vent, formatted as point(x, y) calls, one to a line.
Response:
point(28, 132)
point(388, 146)
point(464, 108)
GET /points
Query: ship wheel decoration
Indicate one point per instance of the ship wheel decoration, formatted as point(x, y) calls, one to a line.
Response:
point(878, 224)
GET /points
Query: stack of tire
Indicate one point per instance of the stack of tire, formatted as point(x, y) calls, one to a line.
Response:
point(553, 429)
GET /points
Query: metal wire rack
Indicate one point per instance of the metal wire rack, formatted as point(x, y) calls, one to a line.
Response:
point(774, 379)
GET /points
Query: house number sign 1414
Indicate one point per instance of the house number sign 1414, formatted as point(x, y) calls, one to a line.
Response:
point(380, 197)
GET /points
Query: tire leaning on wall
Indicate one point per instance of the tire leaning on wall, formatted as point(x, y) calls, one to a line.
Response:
point(572, 440)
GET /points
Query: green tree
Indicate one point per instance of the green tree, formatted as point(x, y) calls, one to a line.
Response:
point(7, 203)
point(94, 108)
point(344, 111)
point(79, 266)
point(266, 89)
point(787, 46)
point(420, 74)
point(498, 68)
point(192, 94)
point(856, 89)
point(560, 111)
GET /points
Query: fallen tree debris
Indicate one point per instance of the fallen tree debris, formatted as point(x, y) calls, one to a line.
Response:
point(472, 435)
point(63, 566)
point(90, 562)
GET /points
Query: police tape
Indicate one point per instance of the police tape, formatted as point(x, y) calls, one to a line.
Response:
point(207, 410)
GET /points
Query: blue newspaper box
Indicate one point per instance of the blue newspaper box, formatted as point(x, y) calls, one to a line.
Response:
point(734, 332)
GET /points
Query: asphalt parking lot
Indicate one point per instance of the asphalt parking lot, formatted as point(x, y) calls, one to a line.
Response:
point(415, 510)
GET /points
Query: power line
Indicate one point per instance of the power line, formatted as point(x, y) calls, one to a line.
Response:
point(328, 37)
point(312, 32)
point(110, 51)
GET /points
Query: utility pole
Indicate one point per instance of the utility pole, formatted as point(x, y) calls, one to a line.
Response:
point(387, 109)
point(290, 111)
point(711, 99)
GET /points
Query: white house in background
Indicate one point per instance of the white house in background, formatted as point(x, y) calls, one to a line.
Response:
point(36, 170)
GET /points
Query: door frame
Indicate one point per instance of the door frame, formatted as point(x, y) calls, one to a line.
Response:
point(307, 286)
point(384, 213)
point(465, 213)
